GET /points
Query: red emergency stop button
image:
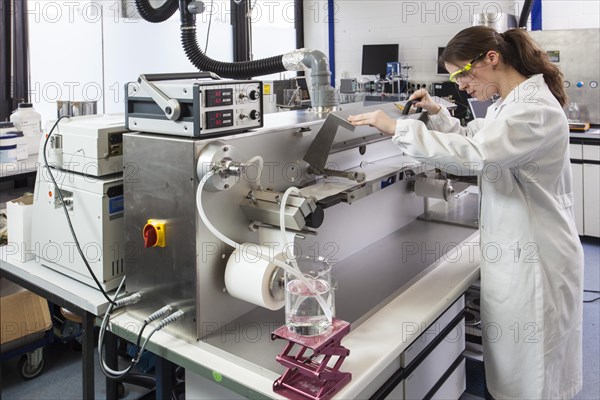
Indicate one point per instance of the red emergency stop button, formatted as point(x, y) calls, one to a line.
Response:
point(154, 233)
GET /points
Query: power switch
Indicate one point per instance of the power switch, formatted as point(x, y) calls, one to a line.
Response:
point(154, 233)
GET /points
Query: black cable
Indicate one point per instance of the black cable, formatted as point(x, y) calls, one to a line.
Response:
point(58, 191)
point(139, 338)
point(591, 301)
point(591, 291)
point(209, 24)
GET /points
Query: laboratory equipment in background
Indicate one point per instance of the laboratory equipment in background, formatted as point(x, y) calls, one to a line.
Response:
point(573, 51)
point(375, 58)
point(28, 121)
point(501, 22)
point(8, 147)
point(275, 98)
point(21, 151)
point(440, 68)
point(75, 108)
point(85, 157)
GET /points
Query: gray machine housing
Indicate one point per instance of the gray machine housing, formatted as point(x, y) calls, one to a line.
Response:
point(85, 157)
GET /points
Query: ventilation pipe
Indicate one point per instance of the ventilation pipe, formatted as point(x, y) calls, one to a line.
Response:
point(323, 96)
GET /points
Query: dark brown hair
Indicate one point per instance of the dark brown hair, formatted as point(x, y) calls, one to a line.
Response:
point(516, 48)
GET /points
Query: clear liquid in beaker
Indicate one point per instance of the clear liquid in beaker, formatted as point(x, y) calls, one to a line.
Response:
point(304, 314)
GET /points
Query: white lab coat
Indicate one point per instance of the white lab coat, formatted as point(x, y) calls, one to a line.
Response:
point(532, 259)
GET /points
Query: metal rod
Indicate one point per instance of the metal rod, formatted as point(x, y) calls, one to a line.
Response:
point(87, 356)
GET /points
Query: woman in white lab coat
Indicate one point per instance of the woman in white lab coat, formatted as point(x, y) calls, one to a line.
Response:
point(531, 256)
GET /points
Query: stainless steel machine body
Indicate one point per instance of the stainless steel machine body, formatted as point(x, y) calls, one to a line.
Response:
point(160, 181)
point(576, 53)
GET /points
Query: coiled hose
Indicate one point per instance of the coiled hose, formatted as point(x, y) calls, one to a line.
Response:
point(237, 70)
point(156, 15)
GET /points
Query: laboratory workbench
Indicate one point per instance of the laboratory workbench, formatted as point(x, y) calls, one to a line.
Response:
point(390, 292)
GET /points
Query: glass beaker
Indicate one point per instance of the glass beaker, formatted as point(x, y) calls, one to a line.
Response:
point(309, 300)
point(573, 113)
point(292, 97)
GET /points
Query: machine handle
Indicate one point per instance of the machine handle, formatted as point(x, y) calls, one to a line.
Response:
point(181, 75)
point(408, 105)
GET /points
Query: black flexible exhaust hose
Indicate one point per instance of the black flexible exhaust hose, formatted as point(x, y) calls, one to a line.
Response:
point(156, 15)
point(238, 70)
point(527, 6)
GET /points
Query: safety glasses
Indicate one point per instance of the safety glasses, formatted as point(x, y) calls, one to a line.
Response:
point(461, 73)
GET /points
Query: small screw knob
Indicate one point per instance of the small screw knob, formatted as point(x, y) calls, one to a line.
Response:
point(254, 95)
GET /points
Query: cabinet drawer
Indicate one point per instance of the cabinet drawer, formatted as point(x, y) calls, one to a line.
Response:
point(591, 200)
point(591, 152)
point(429, 335)
point(454, 386)
point(576, 151)
point(420, 382)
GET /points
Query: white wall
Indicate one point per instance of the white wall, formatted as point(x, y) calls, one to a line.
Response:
point(86, 50)
point(80, 49)
point(420, 27)
point(569, 14)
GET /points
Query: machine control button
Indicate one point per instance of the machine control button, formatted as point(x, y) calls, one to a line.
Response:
point(593, 84)
point(567, 84)
point(254, 95)
point(579, 84)
point(154, 233)
point(254, 114)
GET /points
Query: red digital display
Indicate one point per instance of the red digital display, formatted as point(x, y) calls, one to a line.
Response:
point(219, 119)
point(219, 97)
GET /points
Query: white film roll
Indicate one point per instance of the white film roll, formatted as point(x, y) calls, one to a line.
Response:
point(248, 276)
point(433, 188)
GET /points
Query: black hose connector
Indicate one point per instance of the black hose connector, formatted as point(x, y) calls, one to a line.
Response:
point(156, 15)
point(238, 70)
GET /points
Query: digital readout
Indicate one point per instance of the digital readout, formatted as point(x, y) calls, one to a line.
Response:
point(219, 97)
point(219, 119)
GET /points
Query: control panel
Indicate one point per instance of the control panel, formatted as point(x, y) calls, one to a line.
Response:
point(205, 107)
point(230, 106)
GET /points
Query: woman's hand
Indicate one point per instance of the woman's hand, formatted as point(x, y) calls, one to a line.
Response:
point(377, 119)
point(425, 101)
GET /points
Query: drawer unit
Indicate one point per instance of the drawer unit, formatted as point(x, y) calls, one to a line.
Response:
point(576, 151)
point(454, 386)
point(585, 165)
point(591, 196)
point(433, 363)
point(426, 375)
point(429, 335)
point(590, 153)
